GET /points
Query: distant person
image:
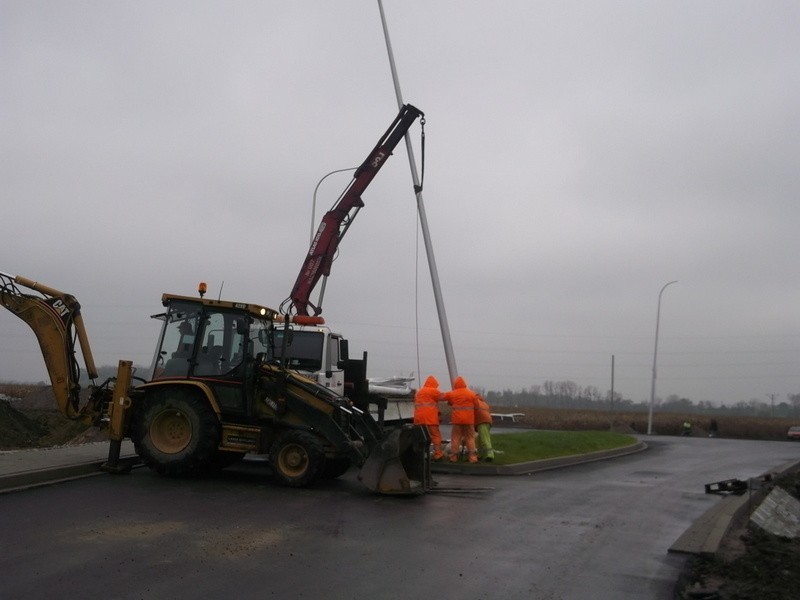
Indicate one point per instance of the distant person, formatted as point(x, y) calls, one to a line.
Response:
point(426, 412)
point(463, 402)
point(687, 428)
point(713, 428)
point(483, 425)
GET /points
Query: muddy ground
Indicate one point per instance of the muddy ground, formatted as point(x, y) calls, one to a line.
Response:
point(751, 564)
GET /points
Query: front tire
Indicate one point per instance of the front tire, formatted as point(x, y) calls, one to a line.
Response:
point(297, 457)
point(176, 433)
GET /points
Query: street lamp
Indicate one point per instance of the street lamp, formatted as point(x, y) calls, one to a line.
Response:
point(655, 355)
point(314, 204)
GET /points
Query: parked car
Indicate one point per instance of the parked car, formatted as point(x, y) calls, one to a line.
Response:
point(794, 433)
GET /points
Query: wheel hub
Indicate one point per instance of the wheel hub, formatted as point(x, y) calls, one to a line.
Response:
point(171, 431)
point(293, 459)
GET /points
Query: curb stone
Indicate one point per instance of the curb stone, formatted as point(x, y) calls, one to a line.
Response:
point(536, 465)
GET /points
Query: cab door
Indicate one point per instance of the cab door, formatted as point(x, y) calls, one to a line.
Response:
point(334, 373)
point(220, 358)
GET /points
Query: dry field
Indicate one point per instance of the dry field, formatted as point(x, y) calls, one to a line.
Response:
point(757, 428)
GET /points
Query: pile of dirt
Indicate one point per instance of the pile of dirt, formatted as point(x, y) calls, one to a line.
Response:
point(29, 419)
point(751, 563)
point(18, 430)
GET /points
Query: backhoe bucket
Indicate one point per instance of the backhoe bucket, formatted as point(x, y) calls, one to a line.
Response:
point(400, 463)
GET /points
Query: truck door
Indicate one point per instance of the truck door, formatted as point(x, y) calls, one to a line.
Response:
point(334, 373)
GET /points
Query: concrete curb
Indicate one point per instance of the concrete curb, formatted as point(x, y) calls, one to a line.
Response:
point(705, 535)
point(22, 480)
point(536, 465)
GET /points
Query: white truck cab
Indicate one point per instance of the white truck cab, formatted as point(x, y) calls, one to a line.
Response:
point(315, 351)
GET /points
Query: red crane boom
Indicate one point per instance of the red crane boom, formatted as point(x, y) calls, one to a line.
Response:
point(337, 220)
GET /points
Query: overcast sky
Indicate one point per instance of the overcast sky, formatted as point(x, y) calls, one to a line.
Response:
point(579, 156)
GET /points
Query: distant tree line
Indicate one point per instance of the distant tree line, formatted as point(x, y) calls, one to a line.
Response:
point(568, 394)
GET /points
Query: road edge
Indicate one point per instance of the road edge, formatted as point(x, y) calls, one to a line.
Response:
point(23, 480)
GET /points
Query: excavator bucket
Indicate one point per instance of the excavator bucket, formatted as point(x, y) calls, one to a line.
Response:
point(400, 463)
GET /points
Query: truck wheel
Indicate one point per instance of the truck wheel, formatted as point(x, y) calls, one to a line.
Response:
point(176, 433)
point(297, 458)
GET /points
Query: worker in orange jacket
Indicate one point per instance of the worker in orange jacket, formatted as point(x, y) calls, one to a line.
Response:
point(426, 412)
point(483, 425)
point(463, 402)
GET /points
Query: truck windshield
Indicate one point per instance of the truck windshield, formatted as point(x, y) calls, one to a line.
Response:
point(305, 351)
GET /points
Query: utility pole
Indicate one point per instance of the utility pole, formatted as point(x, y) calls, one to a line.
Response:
point(772, 404)
point(612, 391)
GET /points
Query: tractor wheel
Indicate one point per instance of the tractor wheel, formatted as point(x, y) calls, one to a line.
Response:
point(176, 433)
point(335, 467)
point(297, 457)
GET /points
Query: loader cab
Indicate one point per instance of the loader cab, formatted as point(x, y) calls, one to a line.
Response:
point(314, 351)
point(212, 342)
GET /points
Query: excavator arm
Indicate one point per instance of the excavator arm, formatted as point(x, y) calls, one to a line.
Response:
point(55, 318)
point(337, 220)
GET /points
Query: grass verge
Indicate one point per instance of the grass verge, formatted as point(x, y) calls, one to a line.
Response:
point(527, 446)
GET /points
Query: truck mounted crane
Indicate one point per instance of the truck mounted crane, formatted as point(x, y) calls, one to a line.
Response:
point(316, 350)
point(337, 220)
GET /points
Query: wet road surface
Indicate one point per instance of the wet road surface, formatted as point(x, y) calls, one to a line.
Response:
point(599, 530)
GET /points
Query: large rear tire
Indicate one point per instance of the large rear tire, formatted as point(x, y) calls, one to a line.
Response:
point(176, 433)
point(297, 457)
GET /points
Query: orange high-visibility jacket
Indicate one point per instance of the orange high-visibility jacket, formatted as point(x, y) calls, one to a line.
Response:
point(426, 410)
point(463, 402)
point(483, 413)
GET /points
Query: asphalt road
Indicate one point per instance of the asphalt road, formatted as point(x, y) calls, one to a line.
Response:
point(599, 530)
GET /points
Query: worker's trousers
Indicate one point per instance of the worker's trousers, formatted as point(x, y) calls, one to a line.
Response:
point(485, 450)
point(436, 441)
point(463, 434)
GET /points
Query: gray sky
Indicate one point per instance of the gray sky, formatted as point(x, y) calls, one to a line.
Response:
point(580, 155)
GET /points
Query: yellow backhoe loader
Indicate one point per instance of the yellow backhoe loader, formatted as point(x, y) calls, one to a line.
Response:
point(218, 389)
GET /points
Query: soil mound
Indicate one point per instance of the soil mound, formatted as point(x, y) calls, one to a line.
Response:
point(29, 418)
point(18, 430)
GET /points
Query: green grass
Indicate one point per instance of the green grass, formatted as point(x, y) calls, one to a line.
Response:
point(537, 445)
